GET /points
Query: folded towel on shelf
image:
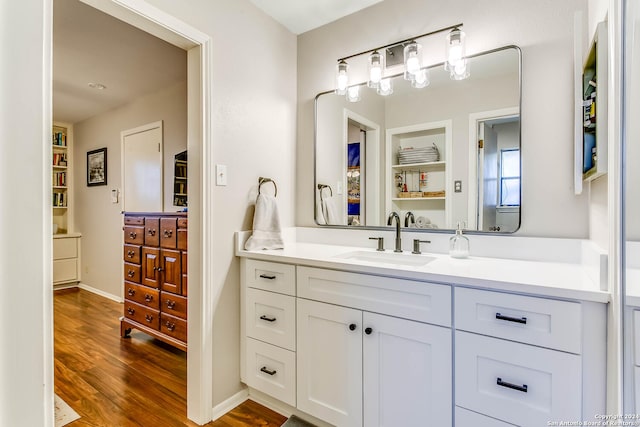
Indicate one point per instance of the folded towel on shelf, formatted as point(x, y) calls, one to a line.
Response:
point(267, 233)
point(330, 210)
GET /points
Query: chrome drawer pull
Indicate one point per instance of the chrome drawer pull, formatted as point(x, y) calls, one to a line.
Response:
point(171, 326)
point(151, 231)
point(167, 233)
point(267, 371)
point(130, 254)
point(268, 319)
point(148, 318)
point(148, 298)
point(131, 273)
point(131, 311)
point(522, 320)
point(523, 388)
point(267, 276)
point(170, 304)
point(132, 235)
point(131, 292)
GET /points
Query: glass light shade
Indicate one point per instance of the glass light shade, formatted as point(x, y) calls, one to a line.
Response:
point(376, 67)
point(353, 94)
point(455, 48)
point(460, 71)
point(412, 60)
point(342, 78)
point(421, 79)
point(386, 87)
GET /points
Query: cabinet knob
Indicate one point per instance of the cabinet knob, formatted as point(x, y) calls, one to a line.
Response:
point(168, 233)
point(148, 298)
point(130, 254)
point(148, 317)
point(159, 269)
point(352, 327)
point(151, 231)
point(170, 326)
point(131, 273)
point(368, 331)
point(133, 234)
point(130, 311)
point(171, 304)
point(131, 292)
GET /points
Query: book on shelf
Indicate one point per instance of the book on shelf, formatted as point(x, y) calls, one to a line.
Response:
point(59, 159)
point(60, 139)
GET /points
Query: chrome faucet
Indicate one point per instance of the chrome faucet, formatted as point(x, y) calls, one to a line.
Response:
point(392, 216)
point(409, 219)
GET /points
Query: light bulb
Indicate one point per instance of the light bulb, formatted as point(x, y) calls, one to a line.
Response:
point(421, 79)
point(342, 78)
point(386, 87)
point(460, 70)
point(353, 94)
point(412, 61)
point(455, 48)
point(376, 66)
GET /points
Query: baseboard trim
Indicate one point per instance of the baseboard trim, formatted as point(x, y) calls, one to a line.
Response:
point(99, 292)
point(227, 405)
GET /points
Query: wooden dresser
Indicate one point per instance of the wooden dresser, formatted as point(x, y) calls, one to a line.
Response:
point(155, 276)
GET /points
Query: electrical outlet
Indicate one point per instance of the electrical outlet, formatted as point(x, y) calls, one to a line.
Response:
point(221, 175)
point(457, 186)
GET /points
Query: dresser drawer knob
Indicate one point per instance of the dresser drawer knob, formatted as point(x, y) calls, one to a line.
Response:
point(132, 234)
point(523, 388)
point(522, 320)
point(151, 231)
point(148, 298)
point(368, 331)
point(268, 371)
point(131, 292)
point(167, 233)
point(130, 254)
point(171, 304)
point(131, 311)
point(352, 327)
point(148, 317)
point(131, 273)
point(267, 276)
point(268, 319)
point(170, 326)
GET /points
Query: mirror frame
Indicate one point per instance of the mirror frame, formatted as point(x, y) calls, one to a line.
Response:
point(420, 230)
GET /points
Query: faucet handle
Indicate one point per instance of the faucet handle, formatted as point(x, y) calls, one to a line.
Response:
point(416, 245)
point(380, 243)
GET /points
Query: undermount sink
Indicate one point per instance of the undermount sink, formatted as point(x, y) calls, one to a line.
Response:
point(406, 259)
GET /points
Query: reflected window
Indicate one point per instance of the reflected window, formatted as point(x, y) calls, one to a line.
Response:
point(510, 177)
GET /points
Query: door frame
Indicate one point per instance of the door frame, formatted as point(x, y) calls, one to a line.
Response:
point(198, 45)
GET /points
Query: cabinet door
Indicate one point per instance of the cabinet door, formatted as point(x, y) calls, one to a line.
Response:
point(330, 362)
point(171, 270)
point(407, 372)
point(150, 264)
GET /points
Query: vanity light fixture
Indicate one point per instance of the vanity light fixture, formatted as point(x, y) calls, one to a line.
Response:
point(414, 71)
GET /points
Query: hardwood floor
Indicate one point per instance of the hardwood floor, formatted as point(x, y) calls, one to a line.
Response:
point(131, 382)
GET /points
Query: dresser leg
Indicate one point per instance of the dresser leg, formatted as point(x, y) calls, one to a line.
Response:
point(124, 331)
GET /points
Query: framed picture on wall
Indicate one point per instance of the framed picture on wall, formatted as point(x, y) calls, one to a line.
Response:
point(97, 167)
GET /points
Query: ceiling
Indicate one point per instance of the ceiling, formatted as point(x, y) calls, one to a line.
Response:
point(300, 16)
point(92, 47)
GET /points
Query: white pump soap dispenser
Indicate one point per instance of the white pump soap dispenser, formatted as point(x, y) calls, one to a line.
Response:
point(459, 244)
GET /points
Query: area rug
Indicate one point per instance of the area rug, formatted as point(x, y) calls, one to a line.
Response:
point(294, 421)
point(64, 413)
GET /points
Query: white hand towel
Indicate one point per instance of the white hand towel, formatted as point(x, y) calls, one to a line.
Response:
point(320, 213)
point(331, 211)
point(266, 225)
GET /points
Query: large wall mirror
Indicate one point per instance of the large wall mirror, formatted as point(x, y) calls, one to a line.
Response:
point(447, 153)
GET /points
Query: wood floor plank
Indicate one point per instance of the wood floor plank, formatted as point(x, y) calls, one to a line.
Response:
point(125, 382)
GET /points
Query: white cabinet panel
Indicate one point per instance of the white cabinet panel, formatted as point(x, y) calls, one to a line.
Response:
point(65, 270)
point(65, 248)
point(270, 276)
point(518, 383)
point(466, 418)
point(329, 354)
point(271, 317)
point(543, 322)
point(407, 372)
point(271, 370)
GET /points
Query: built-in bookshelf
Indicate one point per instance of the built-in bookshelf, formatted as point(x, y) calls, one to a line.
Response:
point(180, 180)
point(60, 179)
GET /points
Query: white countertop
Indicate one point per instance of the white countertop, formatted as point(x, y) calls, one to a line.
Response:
point(541, 278)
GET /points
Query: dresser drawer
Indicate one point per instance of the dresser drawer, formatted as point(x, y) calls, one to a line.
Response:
point(270, 276)
point(134, 235)
point(173, 326)
point(131, 272)
point(141, 314)
point(539, 321)
point(636, 335)
point(517, 383)
point(421, 301)
point(174, 305)
point(131, 253)
point(142, 295)
point(271, 317)
point(271, 370)
point(466, 418)
point(65, 248)
point(152, 231)
point(168, 235)
point(133, 220)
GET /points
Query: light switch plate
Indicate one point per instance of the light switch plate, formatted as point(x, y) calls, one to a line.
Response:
point(221, 175)
point(457, 186)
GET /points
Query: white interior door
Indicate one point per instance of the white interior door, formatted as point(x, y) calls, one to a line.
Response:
point(489, 179)
point(142, 168)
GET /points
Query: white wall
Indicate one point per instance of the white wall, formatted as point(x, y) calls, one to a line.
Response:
point(99, 220)
point(543, 29)
point(26, 368)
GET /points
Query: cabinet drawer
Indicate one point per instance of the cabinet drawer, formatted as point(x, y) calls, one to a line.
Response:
point(175, 305)
point(271, 317)
point(142, 295)
point(182, 239)
point(270, 276)
point(421, 301)
point(131, 272)
point(133, 220)
point(134, 235)
point(272, 370)
point(517, 383)
point(173, 326)
point(152, 231)
point(168, 232)
point(65, 270)
point(131, 253)
point(466, 418)
point(141, 314)
point(539, 321)
point(182, 222)
point(636, 335)
point(65, 248)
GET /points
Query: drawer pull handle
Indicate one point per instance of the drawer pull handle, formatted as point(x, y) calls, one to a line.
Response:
point(131, 292)
point(148, 298)
point(268, 319)
point(267, 371)
point(522, 320)
point(267, 276)
point(130, 254)
point(132, 234)
point(168, 233)
point(148, 317)
point(352, 327)
point(171, 304)
point(171, 326)
point(368, 331)
point(151, 231)
point(523, 388)
point(131, 273)
point(131, 311)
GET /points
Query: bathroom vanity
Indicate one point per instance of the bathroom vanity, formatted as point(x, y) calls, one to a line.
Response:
point(356, 337)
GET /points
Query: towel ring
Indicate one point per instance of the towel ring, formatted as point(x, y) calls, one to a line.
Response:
point(262, 180)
